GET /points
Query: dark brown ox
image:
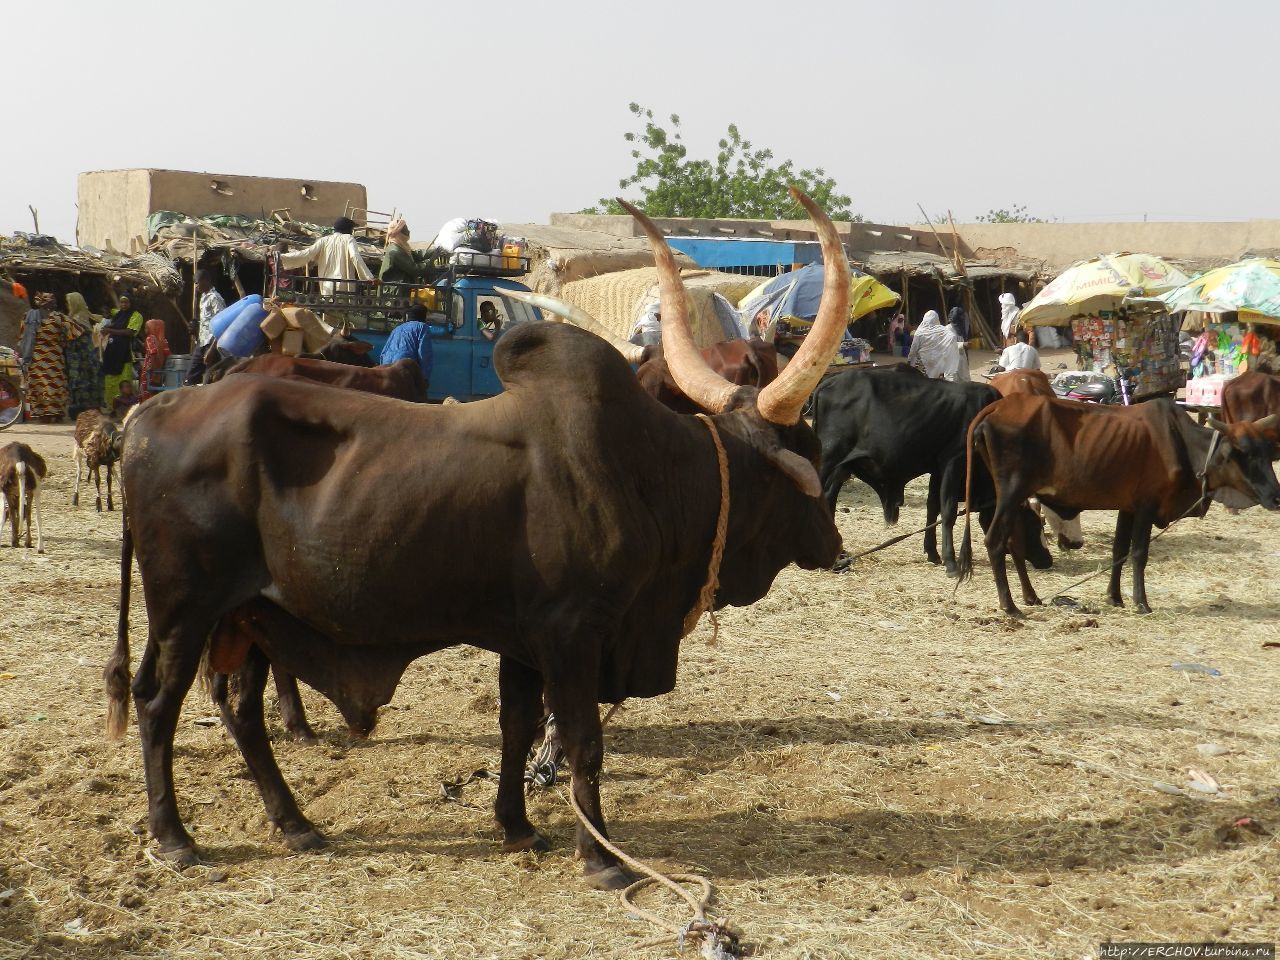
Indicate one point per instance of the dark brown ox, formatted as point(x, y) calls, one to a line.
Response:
point(568, 524)
point(1150, 462)
point(1253, 396)
point(402, 379)
point(1036, 383)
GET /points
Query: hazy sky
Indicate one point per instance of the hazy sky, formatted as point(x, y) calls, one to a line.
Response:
point(1079, 110)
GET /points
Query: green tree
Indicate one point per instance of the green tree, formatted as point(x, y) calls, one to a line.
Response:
point(1015, 215)
point(741, 181)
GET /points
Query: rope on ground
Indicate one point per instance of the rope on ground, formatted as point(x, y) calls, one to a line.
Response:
point(719, 942)
point(847, 561)
point(1121, 562)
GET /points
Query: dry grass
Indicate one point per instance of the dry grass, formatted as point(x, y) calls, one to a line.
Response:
point(889, 822)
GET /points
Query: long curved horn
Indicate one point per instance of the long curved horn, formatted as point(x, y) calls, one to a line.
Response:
point(781, 401)
point(579, 318)
point(699, 382)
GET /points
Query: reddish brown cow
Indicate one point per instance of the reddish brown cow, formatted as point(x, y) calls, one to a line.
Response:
point(402, 379)
point(1253, 396)
point(1150, 462)
point(1035, 383)
point(748, 363)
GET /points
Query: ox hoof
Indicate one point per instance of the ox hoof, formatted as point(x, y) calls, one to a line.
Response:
point(608, 878)
point(1142, 607)
point(951, 570)
point(303, 734)
point(1115, 602)
point(303, 841)
point(1014, 613)
point(933, 558)
point(535, 842)
point(180, 857)
point(1065, 544)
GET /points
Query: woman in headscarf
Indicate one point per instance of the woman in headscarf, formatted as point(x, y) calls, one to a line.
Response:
point(117, 355)
point(157, 352)
point(400, 262)
point(1008, 317)
point(935, 349)
point(84, 366)
point(47, 373)
point(958, 321)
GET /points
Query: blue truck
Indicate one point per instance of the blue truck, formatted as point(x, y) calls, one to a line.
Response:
point(462, 346)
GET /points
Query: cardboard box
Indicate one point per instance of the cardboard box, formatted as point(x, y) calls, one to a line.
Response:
point(292, 343)
point(274, 325)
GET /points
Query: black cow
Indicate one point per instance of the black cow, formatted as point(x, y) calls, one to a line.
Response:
point(569, 524)
point(889, 425)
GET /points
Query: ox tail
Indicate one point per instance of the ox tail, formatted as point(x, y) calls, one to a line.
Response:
point(116, 672)
point(964, 561)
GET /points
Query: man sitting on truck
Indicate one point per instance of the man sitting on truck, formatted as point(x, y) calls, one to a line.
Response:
point(411, 339)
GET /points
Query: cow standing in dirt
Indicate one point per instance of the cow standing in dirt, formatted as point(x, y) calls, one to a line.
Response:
point(1149, 462)
point(570, 524)
point(22, 473)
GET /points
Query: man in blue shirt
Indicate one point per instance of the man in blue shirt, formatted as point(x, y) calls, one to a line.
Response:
point(411, 339)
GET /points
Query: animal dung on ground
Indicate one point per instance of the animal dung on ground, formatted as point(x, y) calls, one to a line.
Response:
point(1195, 668)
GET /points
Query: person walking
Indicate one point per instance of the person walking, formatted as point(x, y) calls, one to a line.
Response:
point(47, 370)
point(117, 355)
point(83, 364)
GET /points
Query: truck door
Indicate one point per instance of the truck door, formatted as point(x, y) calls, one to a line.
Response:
point(451, 355)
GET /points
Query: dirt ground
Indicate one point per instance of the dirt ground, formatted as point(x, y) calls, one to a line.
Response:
point(865, 766)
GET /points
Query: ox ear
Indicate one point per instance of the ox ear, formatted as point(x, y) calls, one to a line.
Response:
point(799, 470)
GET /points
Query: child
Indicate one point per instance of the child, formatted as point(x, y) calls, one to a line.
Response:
point(126, 399)
point(153, 360)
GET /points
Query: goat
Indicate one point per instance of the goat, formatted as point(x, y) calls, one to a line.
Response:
point(98, 444)
point(22, 470)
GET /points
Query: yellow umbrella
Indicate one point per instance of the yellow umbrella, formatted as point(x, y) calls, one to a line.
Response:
point(1102, 283)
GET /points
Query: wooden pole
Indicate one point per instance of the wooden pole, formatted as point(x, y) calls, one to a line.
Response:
point(941, 246)
point(35, 217)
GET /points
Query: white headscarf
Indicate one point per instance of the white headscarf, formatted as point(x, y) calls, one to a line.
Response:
point(1009, 313)
point(936, 348)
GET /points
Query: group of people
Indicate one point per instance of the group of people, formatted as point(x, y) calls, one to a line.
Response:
point(939, 350)
point(76, 360)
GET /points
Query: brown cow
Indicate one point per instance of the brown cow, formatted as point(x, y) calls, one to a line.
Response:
point(1036, 383)
point(402, 379)
point(22, 472)
point(1253, 396)
point(1150, 462)
point(533, 524)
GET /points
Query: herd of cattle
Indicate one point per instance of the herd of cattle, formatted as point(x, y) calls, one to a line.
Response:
point(573, 525)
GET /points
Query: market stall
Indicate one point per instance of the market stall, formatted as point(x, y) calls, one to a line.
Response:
point(1117, 326)
point(1235, 313)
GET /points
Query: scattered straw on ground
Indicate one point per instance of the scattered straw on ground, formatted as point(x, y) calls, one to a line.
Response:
point(832, 765)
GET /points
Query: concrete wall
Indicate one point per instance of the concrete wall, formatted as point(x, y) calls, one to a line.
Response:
point(115, 204)
point(857, 236)
point(1061, 244)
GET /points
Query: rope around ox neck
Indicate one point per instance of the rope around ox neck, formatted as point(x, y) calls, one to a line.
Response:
point(719, 942)
point(707, 596)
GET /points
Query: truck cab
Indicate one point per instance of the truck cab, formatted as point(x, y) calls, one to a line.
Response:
point(461, 342)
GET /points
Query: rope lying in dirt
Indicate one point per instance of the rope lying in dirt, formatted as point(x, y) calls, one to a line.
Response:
point(707, 595)
point(845, 562)
point(1119, 563)
point(719, 942)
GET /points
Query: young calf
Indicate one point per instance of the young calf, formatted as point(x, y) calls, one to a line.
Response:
point(98, 442)
point(22, 470)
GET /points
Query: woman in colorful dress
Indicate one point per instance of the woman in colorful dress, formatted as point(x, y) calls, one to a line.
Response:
point(157, 352)
point(84, 366)
point(117, 355)
point(47, 374)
